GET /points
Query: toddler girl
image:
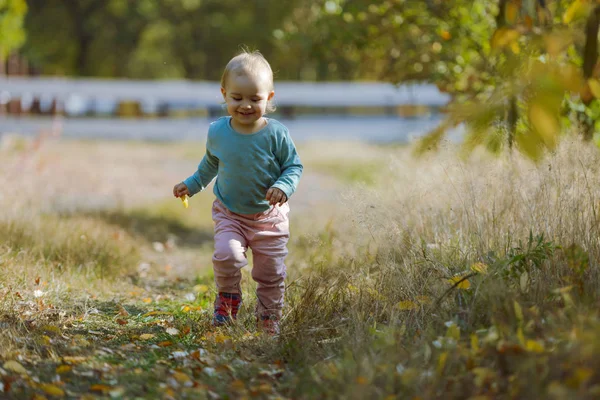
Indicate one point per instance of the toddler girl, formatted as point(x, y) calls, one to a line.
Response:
point(257, 169)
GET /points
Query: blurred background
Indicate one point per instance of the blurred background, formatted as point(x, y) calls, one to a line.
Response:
point(520, 70)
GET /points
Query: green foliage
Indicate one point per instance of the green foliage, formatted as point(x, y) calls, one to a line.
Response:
point(525, 258)
point(12, 34)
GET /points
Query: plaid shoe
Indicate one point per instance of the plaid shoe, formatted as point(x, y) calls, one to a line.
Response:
point(269, 325)
point(226, 308)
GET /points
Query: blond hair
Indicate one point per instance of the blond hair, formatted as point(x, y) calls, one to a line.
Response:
point(250, 63)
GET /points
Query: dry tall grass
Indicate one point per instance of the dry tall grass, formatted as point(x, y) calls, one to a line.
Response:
point(389, 313)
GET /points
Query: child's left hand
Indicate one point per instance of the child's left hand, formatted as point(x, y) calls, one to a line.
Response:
point(276, 196)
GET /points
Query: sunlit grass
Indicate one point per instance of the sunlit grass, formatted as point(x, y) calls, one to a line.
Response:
point(371, 310)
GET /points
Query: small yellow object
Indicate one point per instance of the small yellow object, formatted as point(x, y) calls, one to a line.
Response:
point(184, 200)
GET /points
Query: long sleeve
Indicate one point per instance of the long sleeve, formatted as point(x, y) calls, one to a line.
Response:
point(291, 167)
point(206, 172)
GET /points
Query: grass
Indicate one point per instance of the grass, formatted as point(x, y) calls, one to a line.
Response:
point(441, 278)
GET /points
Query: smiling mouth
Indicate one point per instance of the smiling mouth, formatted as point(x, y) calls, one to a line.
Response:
point(245, 113)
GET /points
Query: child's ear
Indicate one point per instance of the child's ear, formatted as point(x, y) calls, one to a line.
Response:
point(224, 93)
point(271, 94)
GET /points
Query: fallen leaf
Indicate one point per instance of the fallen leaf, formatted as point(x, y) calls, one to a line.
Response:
point(166, 343)
point(62, 369)
point(201, 288)
point(52, 390)
point(14, 367)
point(361, 380)
point(146, 336)
point(121, 321)
point(181, 377)
point(100, 388)
point(172, 331)
point(74, 359)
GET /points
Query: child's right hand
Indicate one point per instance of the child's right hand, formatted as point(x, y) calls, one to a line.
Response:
point(180, 190)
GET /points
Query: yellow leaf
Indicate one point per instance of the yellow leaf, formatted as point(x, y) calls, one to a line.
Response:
point(100, 388)
point(185, 200)
point(534, 346)
point(146, 336)
point(511, 12)
point(580, 376)
point(407, 305)
point(479, 268)
point(14, 367)
point(518, 311)
point(595, 87)
point(515, 48)
point(545, 123)
point(474, 342)
point(74, 359)
point(52, 390)
point(181, 377)
point(577, 10)
point(446, 35)
point(442, 362)
point(147, 300)
point(462, 285)
point(62, 369)
point(221, 338)
point(201, 288)
point(503, 37)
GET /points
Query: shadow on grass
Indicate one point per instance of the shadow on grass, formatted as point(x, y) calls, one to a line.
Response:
point(155, 228)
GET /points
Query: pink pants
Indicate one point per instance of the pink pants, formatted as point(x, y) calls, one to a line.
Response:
point(267, 234)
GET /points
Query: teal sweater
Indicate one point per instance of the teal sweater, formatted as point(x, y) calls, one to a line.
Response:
point(246, 166)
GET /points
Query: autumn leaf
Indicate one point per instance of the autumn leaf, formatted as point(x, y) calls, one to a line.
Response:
point(545, 123)
point(534, 346)
point(165, 343)
point(63, 369)
point(503, 37)
point(201, 288)
point(577, 10)
point(480, 268)
point(52, 390)
point(464, 285)
point(361, 380)
point(121, 321)
point(407, 305)
point(185, 200)
point(146, 336)
point(15, 367)
point(594, 87)
point(100, 388)
point(172, 331)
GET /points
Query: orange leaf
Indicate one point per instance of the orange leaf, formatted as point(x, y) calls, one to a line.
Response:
point(100, 388)
point(121, 321)
point(166, 343)
point(62, 369)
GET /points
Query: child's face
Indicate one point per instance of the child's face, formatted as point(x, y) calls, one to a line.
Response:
point(246, 97)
